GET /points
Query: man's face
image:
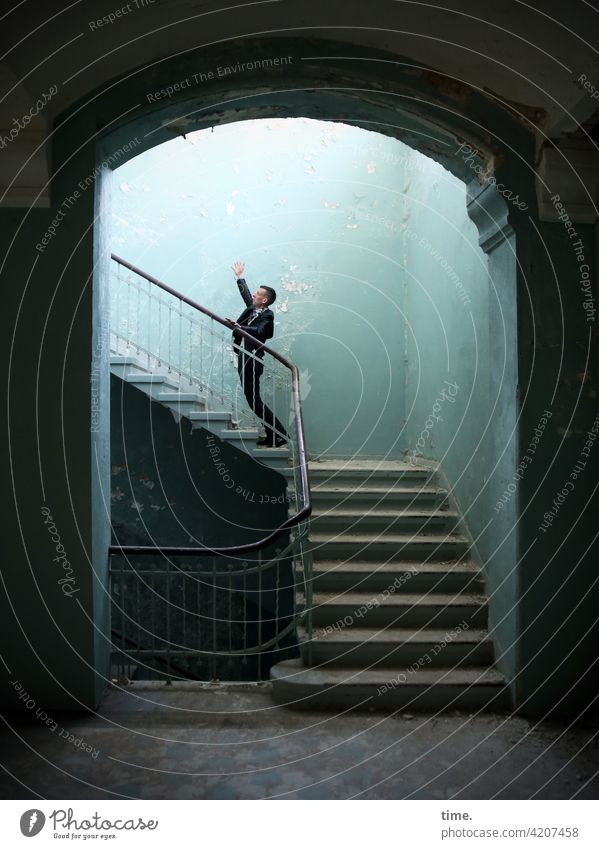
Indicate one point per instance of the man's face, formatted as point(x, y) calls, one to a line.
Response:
point(260, 298)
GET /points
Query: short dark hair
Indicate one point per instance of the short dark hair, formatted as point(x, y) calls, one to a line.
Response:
point(272, 295)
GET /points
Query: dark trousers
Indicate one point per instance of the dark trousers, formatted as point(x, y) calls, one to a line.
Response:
point(250, 372)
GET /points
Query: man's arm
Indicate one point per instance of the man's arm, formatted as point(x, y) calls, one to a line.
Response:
point(244, 291)
point(243, 286)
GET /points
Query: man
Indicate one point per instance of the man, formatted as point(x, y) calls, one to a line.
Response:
point(258, 320)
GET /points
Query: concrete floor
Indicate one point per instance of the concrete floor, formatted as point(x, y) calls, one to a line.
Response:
point(232, 742)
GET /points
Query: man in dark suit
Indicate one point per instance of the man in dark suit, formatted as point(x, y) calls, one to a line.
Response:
point(258, 320)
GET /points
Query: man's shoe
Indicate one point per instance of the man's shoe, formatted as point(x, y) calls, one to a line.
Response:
point(263, 441)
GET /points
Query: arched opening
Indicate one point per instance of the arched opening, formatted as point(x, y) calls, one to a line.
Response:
point(374, 252)
point(433, 80)
point(470, 134)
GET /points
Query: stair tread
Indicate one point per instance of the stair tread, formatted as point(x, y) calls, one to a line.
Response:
point(365, 539)
point(433, 599)
point(295, 672)
point(150, 377)
point(370, 465)
point(375, 490)
point(383, 512)
point(180, 396)
point(399, 567)
point(228, 433)
point(122, 360)
point(350, 634)
point(210, 414)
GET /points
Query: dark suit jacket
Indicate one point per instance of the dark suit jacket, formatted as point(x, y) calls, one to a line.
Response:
point(261, 328)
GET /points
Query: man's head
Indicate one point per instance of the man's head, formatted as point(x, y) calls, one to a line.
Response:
point(264, 297)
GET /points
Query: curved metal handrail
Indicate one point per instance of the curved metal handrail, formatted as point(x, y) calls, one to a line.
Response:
point(306, 509)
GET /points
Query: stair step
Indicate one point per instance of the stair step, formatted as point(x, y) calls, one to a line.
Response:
point(382, 519)
point(407, 546)
point(133, 362)
point(122, 359)
point(275, 458)
point(344, 495)
point(369, 465)
point(336, 575)
point(181, 397)
point(363, 647)
point(152, 379)
point(211, 416)
point(369, 473)
point(239, 434)
point(431, 688)
point(399, 609)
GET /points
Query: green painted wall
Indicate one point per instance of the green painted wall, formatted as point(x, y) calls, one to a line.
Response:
point(447, 305)
point(327, 214)
point(299, 201)
point(461, 376)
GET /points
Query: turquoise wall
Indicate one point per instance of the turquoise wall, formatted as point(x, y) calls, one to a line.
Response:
point(447, 303)
point(299, 201)
point(355, 230)
point(461, 373)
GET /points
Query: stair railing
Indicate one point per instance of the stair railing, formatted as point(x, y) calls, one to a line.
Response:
point(167, 330)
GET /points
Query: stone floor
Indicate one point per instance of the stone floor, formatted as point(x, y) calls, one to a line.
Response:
point(220, 742)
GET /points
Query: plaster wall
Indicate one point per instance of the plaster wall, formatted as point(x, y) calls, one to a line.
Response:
point(461, 375)
point(324, 212)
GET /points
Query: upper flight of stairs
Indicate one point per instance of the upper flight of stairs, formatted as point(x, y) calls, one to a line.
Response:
point(399, 612)
point(184, 399)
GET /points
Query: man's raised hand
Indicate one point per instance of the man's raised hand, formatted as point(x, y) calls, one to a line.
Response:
point(238, 269)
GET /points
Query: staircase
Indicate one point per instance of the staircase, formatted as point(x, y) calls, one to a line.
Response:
point(186, 399)
point(390, 607)
point(398, 615)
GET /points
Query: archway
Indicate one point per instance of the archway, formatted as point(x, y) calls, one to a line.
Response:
point(432, 114)
point(438, 131)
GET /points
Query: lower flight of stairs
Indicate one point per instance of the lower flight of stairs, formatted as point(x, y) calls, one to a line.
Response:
point(399, 614)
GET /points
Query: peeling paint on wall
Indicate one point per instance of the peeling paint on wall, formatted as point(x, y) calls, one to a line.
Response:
point(339, 276)
point(298, 288)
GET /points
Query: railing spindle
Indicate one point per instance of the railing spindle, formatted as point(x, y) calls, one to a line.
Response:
point(213, 618)
point(122, 592)
point(180, 338)
point(170, 333)
point(230, 591)
point(168, 622)
point(260, 608)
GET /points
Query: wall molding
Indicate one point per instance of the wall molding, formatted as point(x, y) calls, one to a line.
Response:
point(489, 211)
